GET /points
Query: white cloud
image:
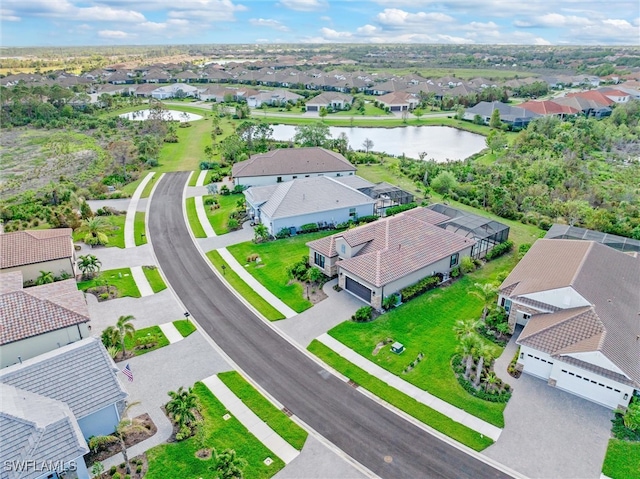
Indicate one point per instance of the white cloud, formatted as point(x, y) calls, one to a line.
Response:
point(607, 31)
point(553, 20)
point(397, 17)
point(115, 34)
point(8, 16)
point(269, 23)
point(68, 11)
point(330, 34)
point(304, 5)
point(106, 14)
point(325, 18)
point(479, 26)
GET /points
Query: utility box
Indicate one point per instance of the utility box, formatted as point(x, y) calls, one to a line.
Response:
point(397, 348)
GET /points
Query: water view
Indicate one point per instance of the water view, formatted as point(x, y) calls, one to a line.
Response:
point(441, 143)
point(174, 115)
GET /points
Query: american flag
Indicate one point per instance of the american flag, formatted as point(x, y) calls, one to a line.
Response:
point(127, 372)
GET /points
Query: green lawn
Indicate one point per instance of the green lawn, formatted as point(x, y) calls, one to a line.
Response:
point(139, 232)
point(622, 460)
point(423, 413)
point(154, 277)
point(388, 172)
point(257, 301)
point(276, 257)
point(192, 216)
point(184, 327)
point(274, 417)
point(218, 217)
point(425, 324)
point(194, 178)
point(178, 459)
point(119, 278)
point(131, 343)
point(152, 182)
point(114, 231)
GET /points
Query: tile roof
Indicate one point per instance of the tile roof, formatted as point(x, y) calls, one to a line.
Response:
point(329, 97)
point(292, 161)
point(398, 98)
point(35, 246)
point(81, 374)
point(593, 95)
point(354, 181)
point(548, 107)
point(29, 312)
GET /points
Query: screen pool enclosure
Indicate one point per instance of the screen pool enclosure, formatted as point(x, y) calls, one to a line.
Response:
point(620, 243)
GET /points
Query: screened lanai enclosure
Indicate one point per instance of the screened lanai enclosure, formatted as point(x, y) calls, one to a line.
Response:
point(387, 195)
point(626, 245)
point(485, 231)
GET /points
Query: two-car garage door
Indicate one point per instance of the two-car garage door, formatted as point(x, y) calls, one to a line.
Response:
point(360, 290)
point(590, 387)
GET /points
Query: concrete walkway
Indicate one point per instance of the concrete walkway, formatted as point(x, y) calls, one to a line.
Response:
point(456, 414)
point(129, 238)
point(141, 281)
point(255, 285)
point(201, 177)
point(202, 217)
point(171, 333)
point(234, 237)
point(253, 423)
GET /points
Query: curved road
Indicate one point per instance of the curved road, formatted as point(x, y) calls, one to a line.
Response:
point(374, 436)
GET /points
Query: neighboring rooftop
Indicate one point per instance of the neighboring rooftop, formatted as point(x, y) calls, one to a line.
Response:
point(34, 246)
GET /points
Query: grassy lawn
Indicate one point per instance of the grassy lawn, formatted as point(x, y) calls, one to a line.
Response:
point(114, 231)
point(184, 327)
point(178, 459)
point(155, 278)
point(194, 178)
point(147, 189)
point(276, 257)
point(192, 216)
point(423, 413)
point(140, 334)
point(376, 173)
point(218, 217)
point(119, 278)
point(139, 232)
point(274, 417)
point(243, 288)
point(425, 324)
point(622, 460)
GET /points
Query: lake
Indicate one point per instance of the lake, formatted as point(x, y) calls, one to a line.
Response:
point(181, 116)
point(441, 143)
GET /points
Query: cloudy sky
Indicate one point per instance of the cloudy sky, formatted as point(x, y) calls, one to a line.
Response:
point(105, 22)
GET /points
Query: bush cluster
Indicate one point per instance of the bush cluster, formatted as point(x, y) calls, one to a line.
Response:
point(394, 210)
point(499, 249)
point(416, 289)
point(363, 315)
point(309, 228)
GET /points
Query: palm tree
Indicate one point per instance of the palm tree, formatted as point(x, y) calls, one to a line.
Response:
point(631, 418)
point(465, 327)
point(484, 353)
point(125, 329)
point(181, 406)
point(490, 380)
point(95, 231)
point(45, 277)
point(487, 293)
point(89, 265)
point(467, 349)
point(229, 465)
point(260, 232)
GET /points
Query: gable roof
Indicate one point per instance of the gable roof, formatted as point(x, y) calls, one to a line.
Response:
point(328, 97)
point(548, 107)
point(593, 95)
point(40, 309)
point(34, 246)
point(292, 161)
point(81, 374)
point(398, 98)
point(507, 112)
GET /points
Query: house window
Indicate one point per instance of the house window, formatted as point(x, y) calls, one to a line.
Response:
point(294, 177)
point(454, 260)
point(338, 174)
point(526, 316)
point(318, 259)
point(279, 179)
point(502, 302)
point(306, 176)
point(343, 249)
point(352, 213)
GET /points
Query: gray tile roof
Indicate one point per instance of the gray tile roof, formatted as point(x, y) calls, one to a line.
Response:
point(507, 112)
point(81, 374)
point(292, 161)
point(33, 311)
point(312, 195)
point(354, 181)
point(36, 428)
point(329, 96)
point(35, 246)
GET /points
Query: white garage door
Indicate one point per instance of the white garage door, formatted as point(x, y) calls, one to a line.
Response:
point(589, 387)
point(537, 366)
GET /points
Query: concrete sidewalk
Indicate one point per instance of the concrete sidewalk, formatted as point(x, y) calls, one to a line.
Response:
point(171, 332)
point(253, 423)
point(202, 217)
point(255, 285)
point(456, 414)
point(129, 238)
point(201, 176)
point(141, 281)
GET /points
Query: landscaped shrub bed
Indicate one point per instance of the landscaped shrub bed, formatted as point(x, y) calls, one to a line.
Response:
point(500, 392)
point(499, 250)
point(363, 315)
point(394, 210)
point(422, 286)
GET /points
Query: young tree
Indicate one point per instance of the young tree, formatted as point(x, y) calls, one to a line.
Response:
point(487, 293)
point(230, 466)
point(126, 330)
point(95, 229)
point(233, 149)
point(123, 152)
point(260, 232)
point(323, 112)
point(495, 121)
point(181, 405)
point(444, 182)
point(484, 355)
point(496, 140)
point(89, 265)
point(367, 144)
point(418, 112)
point(315, 134)
point(467, 348)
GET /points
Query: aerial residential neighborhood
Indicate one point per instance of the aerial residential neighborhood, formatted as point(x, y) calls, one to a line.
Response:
point(319, 240)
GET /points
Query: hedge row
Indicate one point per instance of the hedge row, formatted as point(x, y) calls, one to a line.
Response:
point(425, 284)
point(394, 210)
point(499, 250)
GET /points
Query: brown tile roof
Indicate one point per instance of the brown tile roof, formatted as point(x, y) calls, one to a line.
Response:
point(291, 161)
point(548, 107)
point(427, 215)
point(35, 246)
point(33, 311)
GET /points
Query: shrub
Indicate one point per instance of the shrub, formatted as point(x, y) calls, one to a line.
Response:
point(394, 210)
point(283, 233)
point(367, 219)
point(232, 223)
point(425, 284)
point(112, 470)
point(238, 189)
point(252, 257)
point(224, 190)
point(499, 249)
point(151, 162)
point(116, 476)
point(467, 265)
point(523, 249)
point(455, 272)
point(299, 269)
point(389, 302)
point(210, 201)
point(183, 433)
point(309, 228)
point(138, 469)
point(362, 315)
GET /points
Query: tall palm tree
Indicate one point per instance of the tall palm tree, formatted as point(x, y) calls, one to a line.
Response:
point(89, 265)
point(230, 465)
point(467, 349)
point(181, 406)
point(487, 293)
point(95, 229)
point(490, 380)
point(484, 354)
point(45, 277)
point(111, 337)
point(465, 327)
point(126, 330)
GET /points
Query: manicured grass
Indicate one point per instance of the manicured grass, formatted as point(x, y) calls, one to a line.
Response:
point(155, 278)
point(192, 216)
point(131, 343)
point(423, 413)
point(139, 232)
point(219, 217)
point(130, 188)
point(147, 189)
point(114, 231)
point(119, 278)
point(184, 327)
point(389, 172)
point(178, 459)
point(194, 178)
point(268, 311)
point(425, 324)
point(622, 460)
point(274, 417)
point(276, 257)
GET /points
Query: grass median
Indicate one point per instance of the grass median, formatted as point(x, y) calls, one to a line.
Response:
point(152, 273)
point(184, 327)
point(139, 232)
point(192, 216)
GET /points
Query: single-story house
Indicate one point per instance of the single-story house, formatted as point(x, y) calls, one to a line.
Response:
point(33, 251)
point(549, 108)
point(329, 99)
point(318, 199)
point(274, 98)
point(587, 106)
point(286, 164)
point(379, 259)
point(174, 91)
point(37, 320)
point(399, 101)
point(81, 375)
point(512, 115)
point(579, 303)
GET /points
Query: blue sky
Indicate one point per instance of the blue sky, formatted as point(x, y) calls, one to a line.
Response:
point(108, 22)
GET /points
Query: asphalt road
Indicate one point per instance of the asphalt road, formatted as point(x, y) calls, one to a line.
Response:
point(374, 436)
